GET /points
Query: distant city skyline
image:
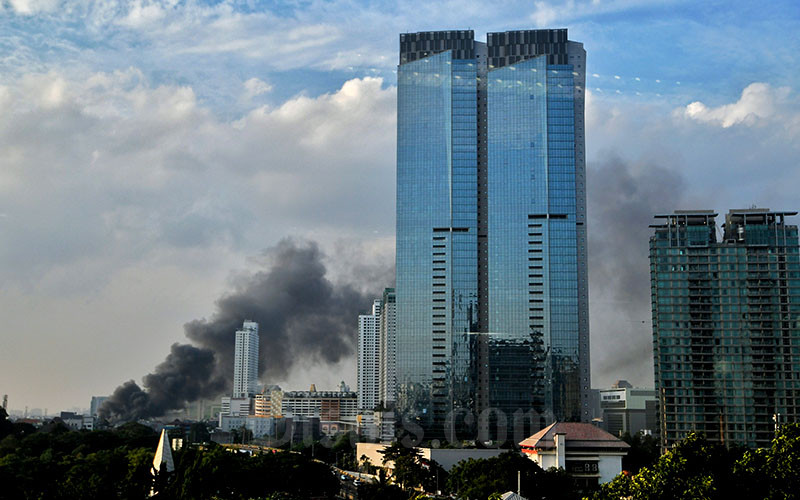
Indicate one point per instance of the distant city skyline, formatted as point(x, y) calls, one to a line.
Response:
point(152, 152)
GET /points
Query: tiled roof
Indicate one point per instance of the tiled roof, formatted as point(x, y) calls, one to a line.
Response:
point(577, 435)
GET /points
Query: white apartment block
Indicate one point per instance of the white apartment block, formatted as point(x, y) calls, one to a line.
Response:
point(245, 366)
point(236, 406)
point(326, 405)
point(369, 357)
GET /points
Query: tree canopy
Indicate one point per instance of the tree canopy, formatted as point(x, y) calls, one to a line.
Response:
point(57, 463)
point(698, 469)
point(482, 477)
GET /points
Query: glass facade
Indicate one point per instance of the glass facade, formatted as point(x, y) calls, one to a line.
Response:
point(532, 240)
point(436, 235)
point(489, 226)
point(725, 325)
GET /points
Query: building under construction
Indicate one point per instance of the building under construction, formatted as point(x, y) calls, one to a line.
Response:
point(726, 309)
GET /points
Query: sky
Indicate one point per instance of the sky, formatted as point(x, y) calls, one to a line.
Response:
point(151, 152)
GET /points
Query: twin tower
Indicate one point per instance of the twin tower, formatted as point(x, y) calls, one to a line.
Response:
point(492, 301)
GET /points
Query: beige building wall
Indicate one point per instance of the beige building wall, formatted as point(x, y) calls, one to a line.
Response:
point(447, 458)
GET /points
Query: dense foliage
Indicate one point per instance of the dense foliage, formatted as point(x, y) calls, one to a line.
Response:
point(339, 450)
point(56, 463)
point(411, 471)
point(217, 473)
point(643, 452)
point(481, 478)
point(698, 469)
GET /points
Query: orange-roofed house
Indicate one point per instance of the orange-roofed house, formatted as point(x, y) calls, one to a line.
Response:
point(588, 453)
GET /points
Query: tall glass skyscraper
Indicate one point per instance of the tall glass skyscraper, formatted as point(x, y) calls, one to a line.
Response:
point(492, 313)
point(725, 324)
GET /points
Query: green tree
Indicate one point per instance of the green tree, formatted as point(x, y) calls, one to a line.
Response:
point(643, 452)
point(695, 469)
point(408, 470)
point(6, 426)
point(434, 476)
point(366, 465)
point(138, 476)
point(482, 477)
point(772, 473)
point(381, 491)
point(198, 433)
point(280, 496)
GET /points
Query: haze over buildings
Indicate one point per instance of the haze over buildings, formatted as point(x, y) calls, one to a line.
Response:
point(142, 174)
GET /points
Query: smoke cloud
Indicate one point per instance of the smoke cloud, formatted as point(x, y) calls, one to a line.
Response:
point(307, 319)
point(622, 200)
point(304, 319)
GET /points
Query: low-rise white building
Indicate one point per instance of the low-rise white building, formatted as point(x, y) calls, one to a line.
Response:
point(77, 422)
point(588, 453)
point(628, 409)
point(237, 407)
point(259, 426)
point(337, 411)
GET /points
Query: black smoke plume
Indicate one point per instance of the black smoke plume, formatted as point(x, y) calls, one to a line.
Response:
point(622, 199)
point(302, 317)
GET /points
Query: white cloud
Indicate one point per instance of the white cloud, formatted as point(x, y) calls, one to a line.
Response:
point(255, 87)
point(109, 179)
point(548, 13)
point(545, 13)
point(143, 14)
point(31, 7)
point(758, 103)
point(141, 158)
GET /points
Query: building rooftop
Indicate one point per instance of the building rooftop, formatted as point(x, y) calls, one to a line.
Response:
point(686, 218)
point(319, 394)
point(577, 435)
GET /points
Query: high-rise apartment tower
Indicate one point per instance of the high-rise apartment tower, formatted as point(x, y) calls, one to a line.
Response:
point(369, 357)
point(387, 362)
point(245, 364)
point(492, 303)
point(725, 324)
